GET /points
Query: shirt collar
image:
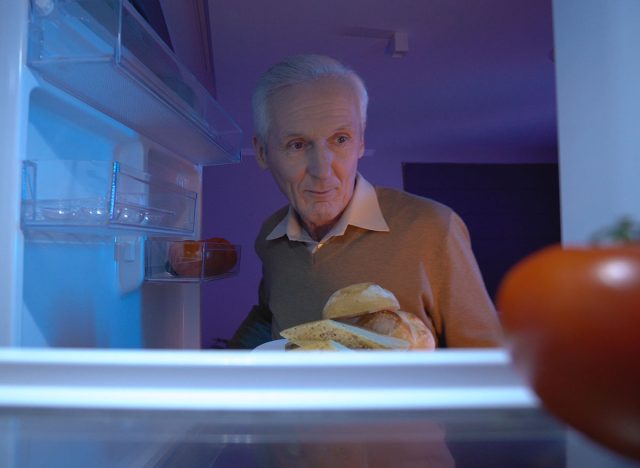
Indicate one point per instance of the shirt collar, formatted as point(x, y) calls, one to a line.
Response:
point(363, 211)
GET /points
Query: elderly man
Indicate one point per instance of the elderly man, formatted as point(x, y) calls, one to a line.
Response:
point(310, 117)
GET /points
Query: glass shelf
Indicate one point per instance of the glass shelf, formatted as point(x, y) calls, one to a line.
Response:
point(104, 53)
point(105, 408)
point(71, 194)
point(190, 261)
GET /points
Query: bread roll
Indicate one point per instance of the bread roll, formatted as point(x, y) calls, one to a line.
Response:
point(371, 307)
point(358, 299)
point(397, 324)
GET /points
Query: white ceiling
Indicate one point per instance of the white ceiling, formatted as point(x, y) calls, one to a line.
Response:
point(478, 77)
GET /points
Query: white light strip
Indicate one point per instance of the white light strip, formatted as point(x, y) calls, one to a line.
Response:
point(260, 399)
point(276, 380)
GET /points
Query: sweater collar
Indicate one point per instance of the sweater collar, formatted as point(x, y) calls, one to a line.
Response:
point(363, 211)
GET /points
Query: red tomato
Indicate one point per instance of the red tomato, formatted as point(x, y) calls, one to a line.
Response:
point(185, 257)
point(572, 321)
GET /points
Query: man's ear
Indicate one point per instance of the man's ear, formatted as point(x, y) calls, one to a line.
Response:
point(261, 152)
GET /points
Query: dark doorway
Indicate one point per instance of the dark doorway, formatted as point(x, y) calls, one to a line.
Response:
point(511, 210)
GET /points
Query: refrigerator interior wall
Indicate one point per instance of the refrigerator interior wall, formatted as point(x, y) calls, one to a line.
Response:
point(83, 280)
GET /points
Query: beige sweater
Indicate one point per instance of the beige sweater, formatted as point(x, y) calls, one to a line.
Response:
point(425, 260)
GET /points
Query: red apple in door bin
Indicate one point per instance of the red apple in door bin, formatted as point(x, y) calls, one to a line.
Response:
point(572, 321)
point(186, 257)
point(220, 256)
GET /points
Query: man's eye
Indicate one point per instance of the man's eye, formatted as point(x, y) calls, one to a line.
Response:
point(342, 139)
point(296, 145)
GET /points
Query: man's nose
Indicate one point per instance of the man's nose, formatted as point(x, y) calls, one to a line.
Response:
point(320, 161)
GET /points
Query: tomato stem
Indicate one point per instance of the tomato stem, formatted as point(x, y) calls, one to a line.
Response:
point(623, 232)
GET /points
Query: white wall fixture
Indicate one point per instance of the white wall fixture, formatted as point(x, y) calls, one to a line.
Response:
point(398, 45)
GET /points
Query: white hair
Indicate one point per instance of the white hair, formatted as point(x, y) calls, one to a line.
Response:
point(300, 69)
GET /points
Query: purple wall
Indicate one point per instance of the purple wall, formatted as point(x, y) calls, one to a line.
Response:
point(238, 197)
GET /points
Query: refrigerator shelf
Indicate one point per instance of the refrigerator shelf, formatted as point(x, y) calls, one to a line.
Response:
point(104, 53)
point(190, 261)
point(262, 381)
point(99, 196)
point(85, 407)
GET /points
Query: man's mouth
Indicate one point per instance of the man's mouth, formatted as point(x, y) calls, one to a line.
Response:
point(321, 194)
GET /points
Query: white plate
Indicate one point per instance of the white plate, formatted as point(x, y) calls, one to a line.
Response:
point(275, 345)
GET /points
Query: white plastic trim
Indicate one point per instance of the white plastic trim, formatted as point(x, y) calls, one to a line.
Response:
point(236, 380)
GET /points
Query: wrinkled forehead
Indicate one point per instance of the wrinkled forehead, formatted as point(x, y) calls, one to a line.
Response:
point(330, 100)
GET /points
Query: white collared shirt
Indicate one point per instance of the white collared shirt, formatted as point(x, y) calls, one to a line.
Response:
point(363, 211)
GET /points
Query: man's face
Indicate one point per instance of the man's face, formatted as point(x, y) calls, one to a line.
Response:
point(315, 140)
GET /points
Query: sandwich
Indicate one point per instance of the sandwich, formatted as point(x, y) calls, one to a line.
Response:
point(373, 308)
point(342, 333)
point(364, 316)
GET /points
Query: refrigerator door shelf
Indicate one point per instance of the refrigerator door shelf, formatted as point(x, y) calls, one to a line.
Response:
point(190, 261)
point(96, 197)
point(105, 54)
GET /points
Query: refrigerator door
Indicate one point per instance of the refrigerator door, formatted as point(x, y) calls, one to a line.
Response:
point(13, 39)
point(105, 134)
